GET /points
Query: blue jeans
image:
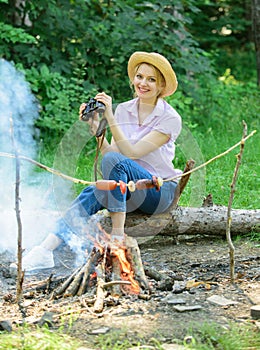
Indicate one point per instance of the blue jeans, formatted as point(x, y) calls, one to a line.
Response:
point(114, 166)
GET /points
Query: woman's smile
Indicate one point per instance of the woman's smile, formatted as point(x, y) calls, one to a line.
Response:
point(145, 83)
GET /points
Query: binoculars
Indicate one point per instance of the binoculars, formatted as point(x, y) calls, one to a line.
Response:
point(93, 106)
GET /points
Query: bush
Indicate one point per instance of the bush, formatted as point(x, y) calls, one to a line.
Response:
point(59, 98)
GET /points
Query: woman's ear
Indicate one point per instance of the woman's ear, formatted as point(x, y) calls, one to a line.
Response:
point(162, 86)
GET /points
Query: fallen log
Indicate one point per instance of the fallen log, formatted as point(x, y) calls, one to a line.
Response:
point(189, 221)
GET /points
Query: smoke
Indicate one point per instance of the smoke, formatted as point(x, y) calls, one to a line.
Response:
point(19, 104)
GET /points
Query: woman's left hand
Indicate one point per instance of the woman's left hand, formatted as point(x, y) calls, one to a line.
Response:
point(106, 99)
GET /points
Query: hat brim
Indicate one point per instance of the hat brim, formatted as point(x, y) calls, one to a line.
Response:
point(158, 61)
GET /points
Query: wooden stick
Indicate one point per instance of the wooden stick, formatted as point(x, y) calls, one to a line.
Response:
point(137, 264)
point(182, 183)
point(50, 170)
point(231, 197)
point(116, 275)
point(59, 291)
point(79, 181)
point(75, 283)
point(212, 159)
point(20, 273)
point(44, 285)
point(99, 302)
point(154, 274)
point(86, 274)
point(113, 283)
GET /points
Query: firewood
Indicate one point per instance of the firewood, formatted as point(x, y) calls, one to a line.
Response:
point(134, 254)
point(100, 294)
point(86, 272)
point(59, 291)
point(116, 275)
point(164, 282)
point(45, 285)
point(154, 274)
point(72, 289)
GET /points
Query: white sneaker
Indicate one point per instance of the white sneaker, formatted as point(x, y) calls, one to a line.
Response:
point(38, 258)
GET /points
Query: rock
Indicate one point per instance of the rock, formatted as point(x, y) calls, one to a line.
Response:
point(221, 301)
point(47, 318)
point(179, 287)
point(166, 284)
point(101, 330)
point(172, 300)
point(173, 347)
point(181, 308)
point(5, 325)
point(255, 312)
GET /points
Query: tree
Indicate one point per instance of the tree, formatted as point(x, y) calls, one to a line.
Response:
point(94, 39)
point(256, 34)
point(224, 29)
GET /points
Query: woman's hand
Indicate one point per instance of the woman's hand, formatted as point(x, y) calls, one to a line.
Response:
point(81, 110)
point(106, 99)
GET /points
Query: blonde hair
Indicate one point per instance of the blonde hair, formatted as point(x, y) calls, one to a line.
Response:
point(160, 81)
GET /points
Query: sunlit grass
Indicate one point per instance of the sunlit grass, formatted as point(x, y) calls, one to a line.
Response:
point(234, 336)
point(205, 336)
point(37, 339)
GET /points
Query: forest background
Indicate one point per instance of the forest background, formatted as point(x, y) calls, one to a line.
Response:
point(70, 49)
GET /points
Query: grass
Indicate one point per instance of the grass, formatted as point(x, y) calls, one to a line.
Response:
point(199, 337)
point(37, 339)
point(234, 336)
point(216, 125)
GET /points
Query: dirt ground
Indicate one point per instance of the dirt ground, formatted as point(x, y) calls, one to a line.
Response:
point(198, 266)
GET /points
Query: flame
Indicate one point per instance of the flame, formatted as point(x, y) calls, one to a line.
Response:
point(102, 241)
point(127, 272)
point(93, 275)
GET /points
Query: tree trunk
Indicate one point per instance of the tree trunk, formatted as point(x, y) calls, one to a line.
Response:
point(189, 221)
point(256, 33)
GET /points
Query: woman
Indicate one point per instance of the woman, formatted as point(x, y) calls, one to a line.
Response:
point(143, 133)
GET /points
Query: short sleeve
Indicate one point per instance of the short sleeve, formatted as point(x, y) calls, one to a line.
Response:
point(170, 124)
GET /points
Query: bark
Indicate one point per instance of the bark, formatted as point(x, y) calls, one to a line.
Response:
point(189, 221)
point(256, 33)
point(134, 256)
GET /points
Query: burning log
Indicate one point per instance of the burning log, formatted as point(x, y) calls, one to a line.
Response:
point(110, 270)
point(133, 253)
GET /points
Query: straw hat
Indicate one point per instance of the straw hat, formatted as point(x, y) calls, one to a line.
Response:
point(158, 61)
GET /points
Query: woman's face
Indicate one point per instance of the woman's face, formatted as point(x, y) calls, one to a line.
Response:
point(146, 83)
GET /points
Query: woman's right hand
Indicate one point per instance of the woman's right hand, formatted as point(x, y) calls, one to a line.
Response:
point(81, 109)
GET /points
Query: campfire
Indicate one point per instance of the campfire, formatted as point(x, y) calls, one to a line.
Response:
point(111, 269)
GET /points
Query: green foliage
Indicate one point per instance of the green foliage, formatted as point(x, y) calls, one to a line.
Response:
point(9, 36)
point(219, 23)
point(59, 98)
point(214, 113)
point(96, 38)
point(223, 28)
point(241, 61)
